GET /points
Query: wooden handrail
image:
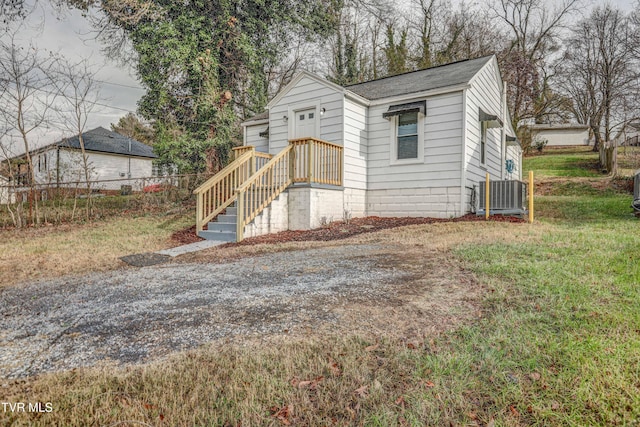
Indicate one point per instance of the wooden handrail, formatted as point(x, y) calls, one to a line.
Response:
point(262, 188)
point(219, 191)
point(239, 151)
point(255, 179)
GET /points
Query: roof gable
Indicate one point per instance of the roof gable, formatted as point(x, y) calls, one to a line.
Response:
point(442, 76)
point(296, 79)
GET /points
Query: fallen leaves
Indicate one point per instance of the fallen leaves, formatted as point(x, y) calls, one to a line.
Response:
point(308, 384)
point(362, 391)
point(334, 368)
point(282, 414)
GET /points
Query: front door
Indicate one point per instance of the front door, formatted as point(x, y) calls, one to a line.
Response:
point(305, 123)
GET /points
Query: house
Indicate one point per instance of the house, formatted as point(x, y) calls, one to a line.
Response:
point(630, 134)
point(414, 144)
point(560, 134)
point(113, 160)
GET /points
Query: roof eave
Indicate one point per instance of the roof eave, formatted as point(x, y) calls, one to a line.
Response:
point(255, 122)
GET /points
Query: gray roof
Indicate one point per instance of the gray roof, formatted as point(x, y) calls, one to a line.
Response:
point(452, 74)
point(262, 116)
point(106, 141)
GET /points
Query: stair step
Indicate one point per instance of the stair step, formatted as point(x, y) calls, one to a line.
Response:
point(227, 219)
point(231, 210)
point(223, 236)
point(222, 226)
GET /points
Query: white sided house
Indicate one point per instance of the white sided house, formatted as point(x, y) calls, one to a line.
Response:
point(559, 135)
point(415, 144)
point(113, 160)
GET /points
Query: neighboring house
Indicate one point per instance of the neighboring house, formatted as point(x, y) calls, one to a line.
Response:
point(415, 144)
point(560, 134)
point(113, 160)
point(630, 134)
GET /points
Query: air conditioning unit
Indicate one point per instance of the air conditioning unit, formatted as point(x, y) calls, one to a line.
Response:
point(506, 197)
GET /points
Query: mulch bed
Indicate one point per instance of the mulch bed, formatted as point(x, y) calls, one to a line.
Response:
point(339, 229)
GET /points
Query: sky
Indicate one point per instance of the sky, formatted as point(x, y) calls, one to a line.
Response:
point(70, 34)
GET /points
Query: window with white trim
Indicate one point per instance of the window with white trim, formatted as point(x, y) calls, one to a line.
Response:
point(407, 132)
point(407, 136)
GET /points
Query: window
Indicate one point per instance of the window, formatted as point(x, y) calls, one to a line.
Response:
point(483, 142)
point(407, 132)
point(407, 136)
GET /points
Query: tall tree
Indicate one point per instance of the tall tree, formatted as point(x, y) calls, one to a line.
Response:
point(396, 52)
point(131, 126)
point(203, 63)
point(26, 103)
point(79, 92)
point(600, 73)
point(534, 29)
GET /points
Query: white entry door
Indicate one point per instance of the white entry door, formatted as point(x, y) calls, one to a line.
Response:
point(305, 123)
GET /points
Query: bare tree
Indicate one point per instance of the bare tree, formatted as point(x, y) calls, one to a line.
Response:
point(600, 74)
point(79, 93)
point(534, 29)
point(27, 101)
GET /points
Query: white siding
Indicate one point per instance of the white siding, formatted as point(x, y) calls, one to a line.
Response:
point(355, 145)
point(515, 153)
point(486, 93)
point(560, 137)
point(307, 93)
point(440, 171)
point(104, 166)
point(252, 136)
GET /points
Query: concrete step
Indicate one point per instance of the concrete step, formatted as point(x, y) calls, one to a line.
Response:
point(231, 210)
point(222, 226)
point(228, 219)
point(222, 236)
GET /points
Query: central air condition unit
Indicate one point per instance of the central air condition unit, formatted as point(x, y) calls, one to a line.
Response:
point(506, 197)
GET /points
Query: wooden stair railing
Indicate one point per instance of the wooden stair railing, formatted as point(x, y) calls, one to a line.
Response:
point(317, 161)
point(219, 191)
point(263, 187)
point(255, 179)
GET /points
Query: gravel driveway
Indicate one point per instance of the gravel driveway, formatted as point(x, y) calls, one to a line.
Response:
point(140, 314)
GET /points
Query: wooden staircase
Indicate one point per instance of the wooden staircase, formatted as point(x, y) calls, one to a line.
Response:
point(253, 180)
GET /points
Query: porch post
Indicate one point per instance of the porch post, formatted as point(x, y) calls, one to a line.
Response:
point(309, 160)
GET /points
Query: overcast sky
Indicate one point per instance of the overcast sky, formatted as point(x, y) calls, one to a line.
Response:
point(70, 34)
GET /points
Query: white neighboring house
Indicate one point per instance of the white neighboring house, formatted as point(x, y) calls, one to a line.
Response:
point(414, 144)
point(113, 160)
point(561, 134)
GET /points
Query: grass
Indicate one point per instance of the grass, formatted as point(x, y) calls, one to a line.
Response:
point(563, 163)
point(557, 344)
point(36, 253)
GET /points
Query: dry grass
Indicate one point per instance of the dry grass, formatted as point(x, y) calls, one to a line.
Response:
point(439, 237)
point(369, 372)
point(69, 249)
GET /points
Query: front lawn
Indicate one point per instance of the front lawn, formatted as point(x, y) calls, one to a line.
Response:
point(556, 340)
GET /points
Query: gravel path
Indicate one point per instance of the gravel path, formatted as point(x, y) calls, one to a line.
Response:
point(135, 315)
